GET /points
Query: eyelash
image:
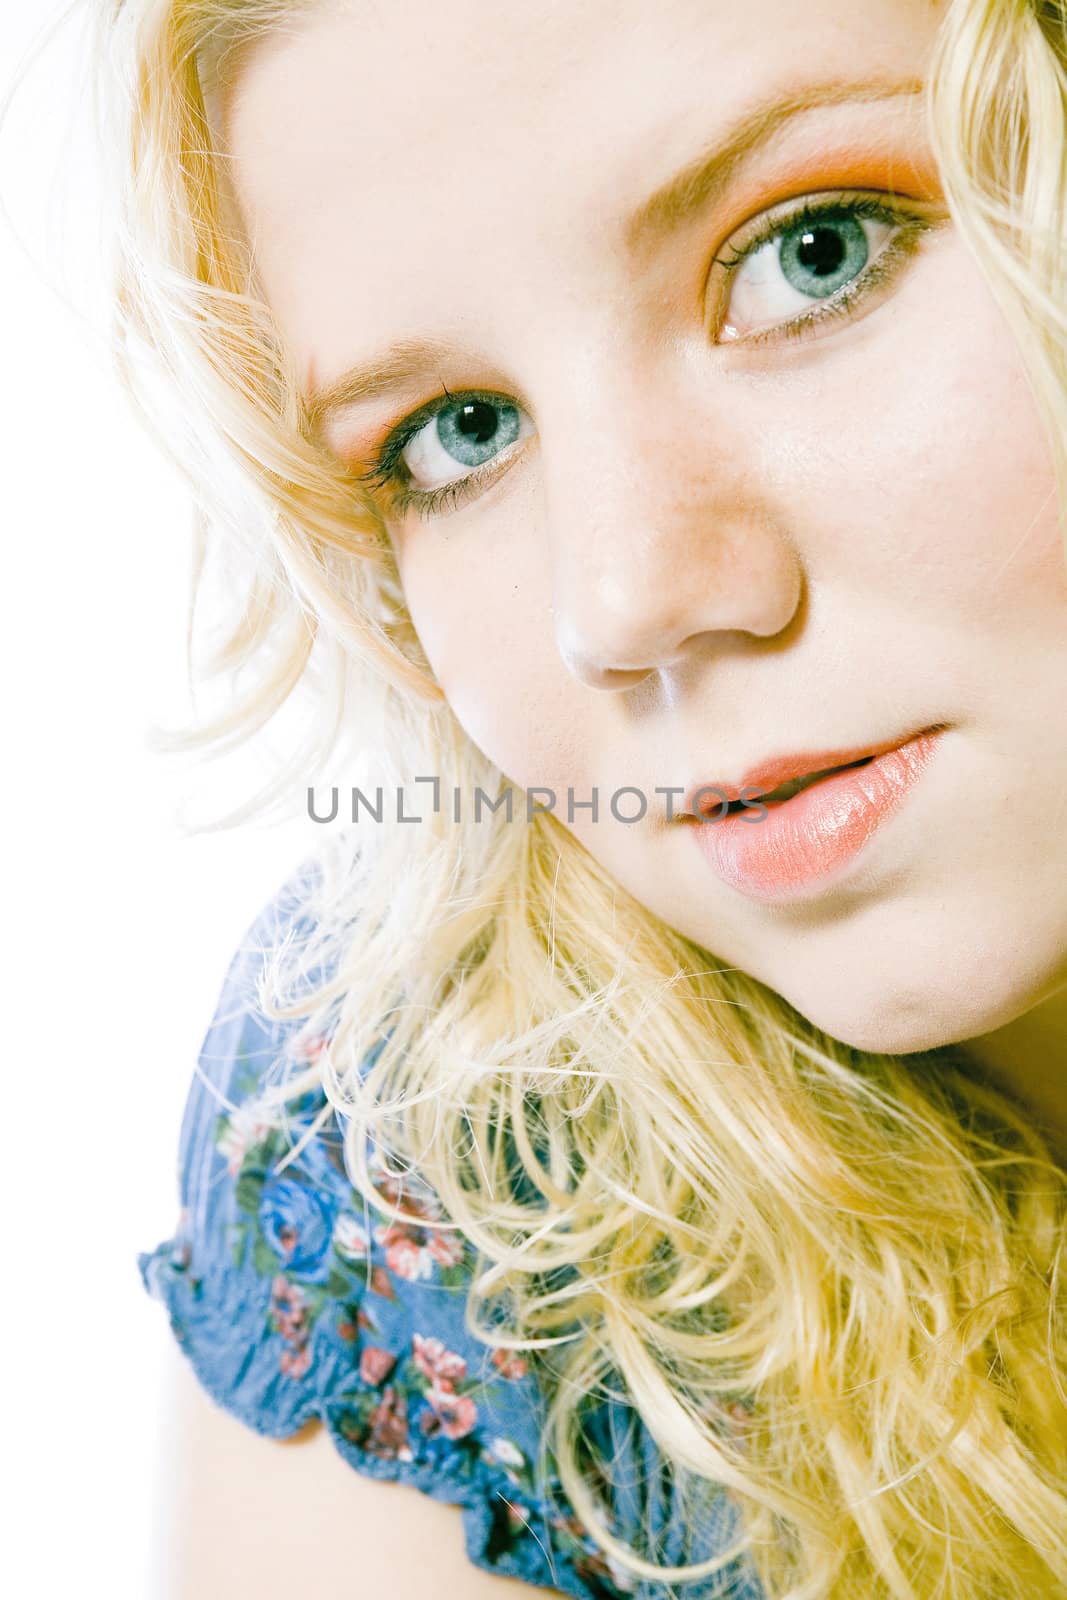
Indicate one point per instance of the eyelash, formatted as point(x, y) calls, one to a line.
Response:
point(427, 503)
point(910, 227)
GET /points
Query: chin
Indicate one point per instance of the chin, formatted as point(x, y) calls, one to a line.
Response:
point(899, 1024)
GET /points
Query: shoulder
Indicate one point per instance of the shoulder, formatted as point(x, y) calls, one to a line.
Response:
point(276, 1511)
point(303, 1312)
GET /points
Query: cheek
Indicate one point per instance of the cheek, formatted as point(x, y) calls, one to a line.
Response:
point(481, 605)
point(926, 458)
point(918, 488)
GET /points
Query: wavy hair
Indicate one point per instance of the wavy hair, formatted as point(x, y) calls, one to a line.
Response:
point(676, 1184)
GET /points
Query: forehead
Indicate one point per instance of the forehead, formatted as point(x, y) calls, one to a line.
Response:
point(408, 169)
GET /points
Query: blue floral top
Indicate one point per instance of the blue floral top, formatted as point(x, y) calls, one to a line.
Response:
point(293, 1300)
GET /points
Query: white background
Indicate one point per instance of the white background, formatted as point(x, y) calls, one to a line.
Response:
point(119, 929)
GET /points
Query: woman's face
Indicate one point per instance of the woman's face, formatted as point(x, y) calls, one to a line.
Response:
point(696, 533)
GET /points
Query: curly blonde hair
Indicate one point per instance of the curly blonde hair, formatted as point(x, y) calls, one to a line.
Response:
point(675, 1183)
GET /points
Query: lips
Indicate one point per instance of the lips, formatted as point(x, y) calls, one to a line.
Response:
point(779, 778)
point(805, 845)
point(786, 791)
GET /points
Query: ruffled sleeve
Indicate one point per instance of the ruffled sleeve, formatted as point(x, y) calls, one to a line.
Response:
point(293, 1301)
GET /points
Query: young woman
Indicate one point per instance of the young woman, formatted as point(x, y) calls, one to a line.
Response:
point(654, 416)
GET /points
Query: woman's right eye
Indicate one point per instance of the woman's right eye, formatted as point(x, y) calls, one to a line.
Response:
point(462, 435)
point(432, 463)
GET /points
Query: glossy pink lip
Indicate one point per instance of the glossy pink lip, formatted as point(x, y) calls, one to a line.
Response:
point(775, 850)
point(768, 775)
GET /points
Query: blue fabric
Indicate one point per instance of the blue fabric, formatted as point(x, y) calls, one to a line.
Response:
point(293, 1301)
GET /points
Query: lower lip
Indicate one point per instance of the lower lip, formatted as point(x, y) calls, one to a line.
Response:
point(768, 854)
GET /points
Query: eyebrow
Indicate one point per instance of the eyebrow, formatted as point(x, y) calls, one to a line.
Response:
point(406, 360)
point(664, 212)
point(709, 173)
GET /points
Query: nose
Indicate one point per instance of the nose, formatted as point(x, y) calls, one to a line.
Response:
point(660, 540)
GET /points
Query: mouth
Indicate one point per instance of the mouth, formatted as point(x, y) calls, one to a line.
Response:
point(786, 791)
point(807, 842)
point(777, 781)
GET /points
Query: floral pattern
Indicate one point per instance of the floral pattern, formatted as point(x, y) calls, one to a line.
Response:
point(293, 1300)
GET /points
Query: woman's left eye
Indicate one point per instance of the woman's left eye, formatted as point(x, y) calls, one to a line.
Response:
point(835, 252)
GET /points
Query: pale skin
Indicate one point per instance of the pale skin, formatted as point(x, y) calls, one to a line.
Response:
point(698, 550)
point(254, 1518)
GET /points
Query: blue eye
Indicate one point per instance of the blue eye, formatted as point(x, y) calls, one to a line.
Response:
point(467, 433)
point(433, 459)
point(837, 251)
point(818, 260)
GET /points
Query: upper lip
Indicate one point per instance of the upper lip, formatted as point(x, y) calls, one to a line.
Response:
point(767, 775)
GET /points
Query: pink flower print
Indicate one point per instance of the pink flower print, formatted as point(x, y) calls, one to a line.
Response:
point(404, 1255)
point(510, 1363)
point(445, 1248)
point(288, 1306)
point(420, 1201)
point(244, 1127)
point(350, 1239)
point(457, 1413)
point(506, 1453)
point(405, 1189)
point(294, 1363)
point(375, 1365)
point(442, 1366)
point(388, 1426)
point(518, 1516)
point(382, 1284)
point(288, 1315)
point(567, 1522)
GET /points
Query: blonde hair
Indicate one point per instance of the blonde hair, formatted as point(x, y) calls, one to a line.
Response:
point(676, 1184)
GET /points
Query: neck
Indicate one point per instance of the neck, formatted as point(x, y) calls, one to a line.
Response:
point(1027, 1060)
